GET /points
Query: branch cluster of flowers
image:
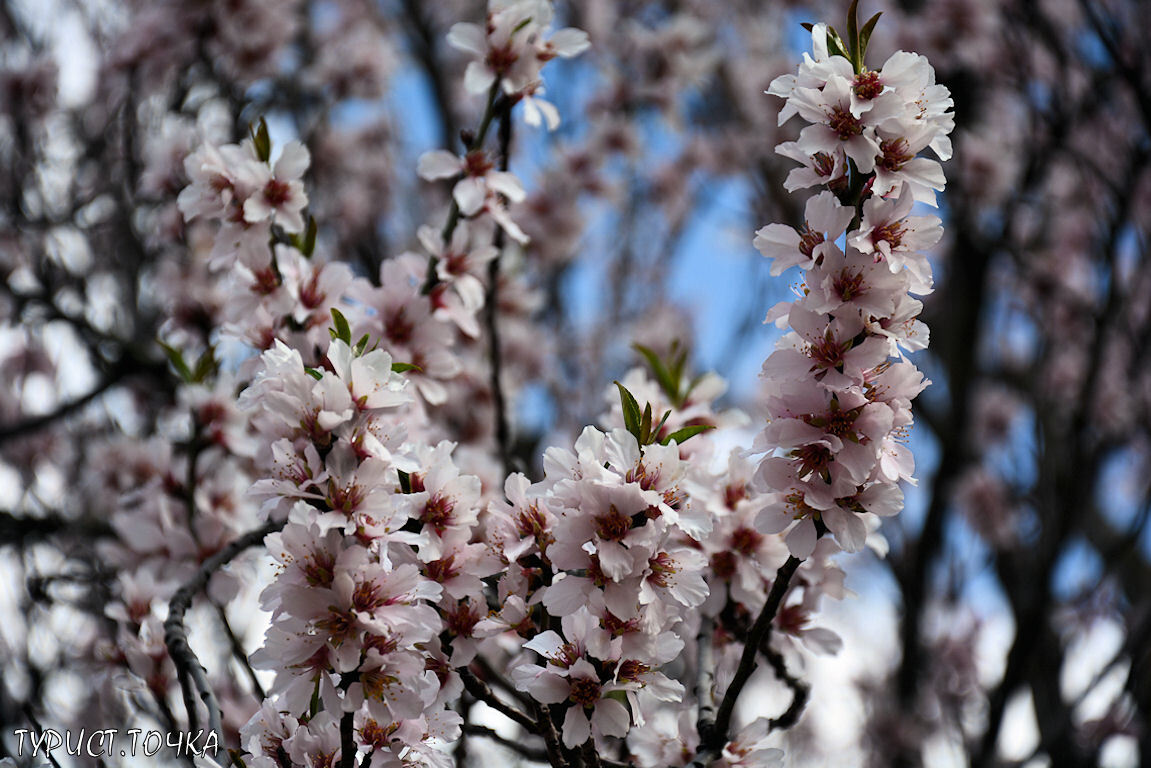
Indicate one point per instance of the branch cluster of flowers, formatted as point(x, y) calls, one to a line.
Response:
point(585, 596)
point(840, 387)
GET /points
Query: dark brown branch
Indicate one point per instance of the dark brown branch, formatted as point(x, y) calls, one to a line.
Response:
point(191, 672)
point(713, 735)
point(347, 740)
point(36, 423)
point(492, 307)
point(799, 691)
point(705, 674)
point(536, 755)
point(241, 655)
point(552, 743)
point(16, 529)
point(1069, 446)
point(490, 675)
point(40, 729)
point(482, 692)
point(424, 44)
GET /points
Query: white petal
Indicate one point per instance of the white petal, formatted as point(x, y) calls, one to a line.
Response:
point(468, 37)
point(439, 164)
point(478, 78)
point(551, 114)
point(506, 184)
point(611, 718)
point(256, 209)
point(294, 159)
point(848, 528)
point(570, 41)
point(801, 540)
point(549, 689)
point(576, 728)
point(470, 194)
point(564, 597)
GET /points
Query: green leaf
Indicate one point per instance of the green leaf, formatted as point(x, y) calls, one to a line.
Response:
point(678, 366)
point(305, 243)
point(645, 425)
point(631, 415)
point(835, 44)
point(405, 367)
point(176, 358)
point(668, 380)
point(314, 705)
point(660, 425)
point(405, 481)
point(310, 237)
point(205, 366)
point(620, 696)
point(341, 331)
point(317, 375)
point(807, 25)
point(261, 140)
point(361, 345)
point(865, 36)
point(682, 435)
point(853, 33)
point(521, 25)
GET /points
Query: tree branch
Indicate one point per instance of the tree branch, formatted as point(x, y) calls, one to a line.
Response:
point(799, 690)
point(347, 740)
point(713, 735)
point(492, 308)
point(482, 692)
point(36, 423)
point(189, 669)
point(424, 44)
point(536, 755)
point(705, 674)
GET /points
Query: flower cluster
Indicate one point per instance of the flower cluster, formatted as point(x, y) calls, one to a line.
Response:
point(511, 50)
point(400, 580)
point(601, 528)
point(840, 386)
point(364, 560)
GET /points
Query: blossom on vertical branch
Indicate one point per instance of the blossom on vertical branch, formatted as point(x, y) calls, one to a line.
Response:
point(840, 385)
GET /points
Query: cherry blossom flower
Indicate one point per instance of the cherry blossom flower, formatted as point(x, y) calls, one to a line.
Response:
point(824, 221)
point(279, 191)
point(478, 177)
point(888, 232)
point(511, 47)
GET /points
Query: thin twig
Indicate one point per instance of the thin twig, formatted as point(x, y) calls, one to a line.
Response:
point(713, 736)
point(490, 675)
point(476, 141)
point(241, 655)
point(555, 750)
point(492, 308)
point(536, 755)
point(188, 665)
point(799, 690)
point(40, 729)
point(705, 673)
point(36, 423)
point(482, 692)
point(347, 741)
point(424, 39)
